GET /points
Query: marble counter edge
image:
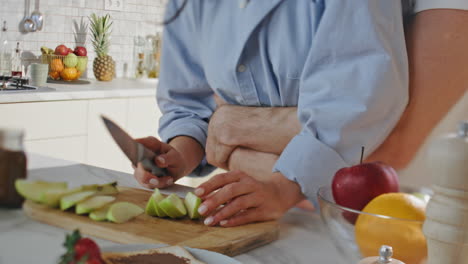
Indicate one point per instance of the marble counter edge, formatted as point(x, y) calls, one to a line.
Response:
point(118, 88)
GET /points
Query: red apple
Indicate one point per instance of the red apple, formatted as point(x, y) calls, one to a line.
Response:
point(80, 51)
point(61, 50)
point(354, 187)
point(69, 51)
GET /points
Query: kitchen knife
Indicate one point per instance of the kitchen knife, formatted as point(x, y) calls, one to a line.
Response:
point(135, 151)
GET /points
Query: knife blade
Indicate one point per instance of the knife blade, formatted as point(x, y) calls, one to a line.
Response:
point(135, 152)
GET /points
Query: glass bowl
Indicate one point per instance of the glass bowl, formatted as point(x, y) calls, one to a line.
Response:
point(357, 234)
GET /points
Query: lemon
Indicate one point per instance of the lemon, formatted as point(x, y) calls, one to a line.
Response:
point(404, 235)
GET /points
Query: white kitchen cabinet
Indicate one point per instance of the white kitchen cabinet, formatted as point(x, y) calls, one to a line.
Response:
point(102, 151)
point(68, 148)
point(46, 120)
point(143, 117)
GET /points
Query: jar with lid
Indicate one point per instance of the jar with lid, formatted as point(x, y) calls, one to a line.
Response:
point(12, 166)
point(385, 257)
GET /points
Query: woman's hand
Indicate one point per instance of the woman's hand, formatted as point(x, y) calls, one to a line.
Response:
point(235, 198)
point(167, 157)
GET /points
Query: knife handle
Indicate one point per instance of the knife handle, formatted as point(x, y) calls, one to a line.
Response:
point(150, 166)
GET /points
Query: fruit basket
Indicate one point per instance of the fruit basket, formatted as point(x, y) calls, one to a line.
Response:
point(358, 234)
point(66, 68)
point(64, 63)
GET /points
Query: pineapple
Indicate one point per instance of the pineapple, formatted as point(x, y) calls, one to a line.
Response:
point(103, 64)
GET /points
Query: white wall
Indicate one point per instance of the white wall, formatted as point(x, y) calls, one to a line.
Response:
point(138, 17)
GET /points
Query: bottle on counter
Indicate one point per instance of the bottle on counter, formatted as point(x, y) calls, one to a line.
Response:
point(446, 225)
point(12, 166)
point(139, 56)
point(5, 51)
point(16, 65)
point(385, 257)
point(153, 55)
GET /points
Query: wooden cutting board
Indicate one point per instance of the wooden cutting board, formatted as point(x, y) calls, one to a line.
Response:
point(146, 229)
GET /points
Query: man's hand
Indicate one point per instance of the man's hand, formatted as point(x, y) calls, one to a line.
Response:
point(167, 157)
point(235, 198)
point(264, 129)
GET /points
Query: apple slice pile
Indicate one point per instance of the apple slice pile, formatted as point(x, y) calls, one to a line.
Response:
point(173, 206)
point(95, 199)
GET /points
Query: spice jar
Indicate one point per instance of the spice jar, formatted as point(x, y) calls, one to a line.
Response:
point(385, 257)
point(12, 166)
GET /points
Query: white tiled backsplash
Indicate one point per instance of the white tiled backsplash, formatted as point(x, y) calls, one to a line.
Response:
point(137, 18)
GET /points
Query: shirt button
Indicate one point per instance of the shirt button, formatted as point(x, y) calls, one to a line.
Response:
point(241, 68)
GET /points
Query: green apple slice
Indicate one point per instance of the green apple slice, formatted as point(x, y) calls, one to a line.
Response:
point(58, 185)
point(70, 200)
point(122, 212)
point(102, 189)
point(173, 206)
point(93, 203)
point(152, 207)
point(52, 197)
point(33, 190)
point(100, 214)
point(192, 202)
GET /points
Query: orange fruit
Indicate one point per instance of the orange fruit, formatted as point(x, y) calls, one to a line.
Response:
point(403, 232)
point(69, 74)
point(54, 75)
point(56, 65)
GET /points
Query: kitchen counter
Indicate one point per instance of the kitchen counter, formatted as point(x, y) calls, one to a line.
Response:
point(93, 90)
point(302, 235)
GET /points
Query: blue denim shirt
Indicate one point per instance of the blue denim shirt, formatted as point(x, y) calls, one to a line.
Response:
point(342, 63)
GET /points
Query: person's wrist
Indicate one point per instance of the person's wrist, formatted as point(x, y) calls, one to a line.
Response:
point(190, 152)
point(289, 191)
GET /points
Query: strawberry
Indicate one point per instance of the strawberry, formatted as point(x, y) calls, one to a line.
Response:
point(94, 261)
point(87, 247)
point(80, 250)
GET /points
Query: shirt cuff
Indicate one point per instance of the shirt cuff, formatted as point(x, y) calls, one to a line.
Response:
point(195, 128)
point(310, 163)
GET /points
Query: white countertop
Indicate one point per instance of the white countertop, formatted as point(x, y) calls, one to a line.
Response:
point(303, 238)
point(93, 90)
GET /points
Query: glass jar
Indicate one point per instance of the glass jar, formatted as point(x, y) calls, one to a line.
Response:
point(12, 166)
point(5, 52)
point(139, 56)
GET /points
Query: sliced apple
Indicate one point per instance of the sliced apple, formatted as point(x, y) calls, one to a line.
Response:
point(122, 212)
point(32, 190)
point(102, 189)
point(192, 202)
point(70, 200)
point(152, 207)
point(52, 197)
point(62, 185)
point(100, 214)
point(93, 203)
point(173, 206)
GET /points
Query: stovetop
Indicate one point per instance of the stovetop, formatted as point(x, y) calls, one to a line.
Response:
point(14, 83)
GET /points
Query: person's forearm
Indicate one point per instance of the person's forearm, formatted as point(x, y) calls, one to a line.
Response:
point(437, 81)
point(265, 129)
point(190, 150)
point(241, 159)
